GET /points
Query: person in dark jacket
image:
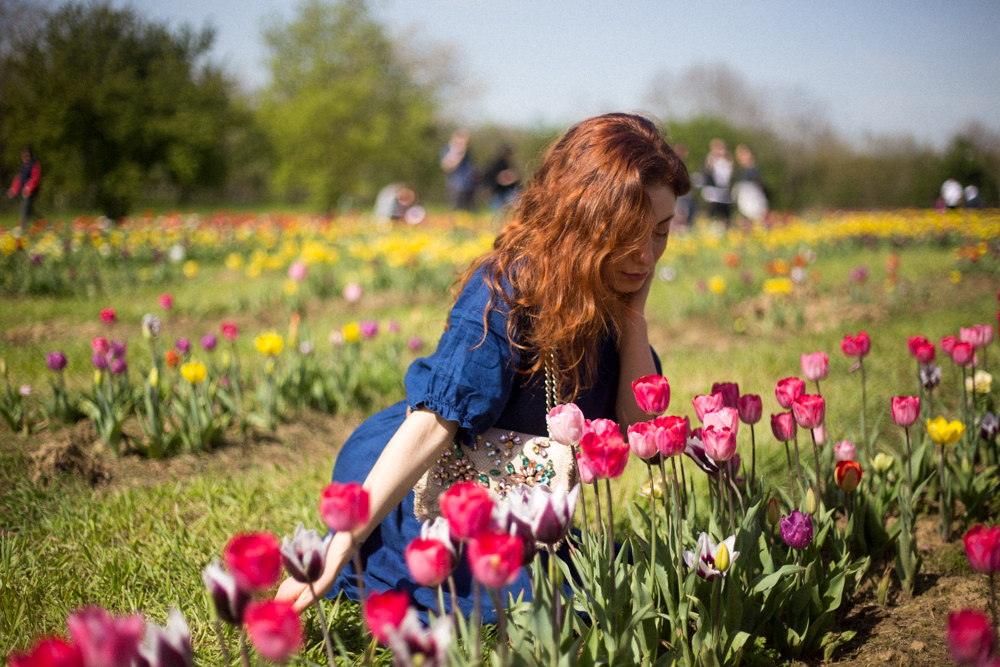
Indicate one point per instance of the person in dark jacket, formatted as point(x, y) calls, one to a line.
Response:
point(26, 184)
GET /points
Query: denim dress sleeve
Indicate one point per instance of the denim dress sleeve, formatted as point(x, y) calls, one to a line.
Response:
point(469, 377)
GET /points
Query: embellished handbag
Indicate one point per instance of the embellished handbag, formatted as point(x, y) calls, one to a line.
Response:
point(500, 460)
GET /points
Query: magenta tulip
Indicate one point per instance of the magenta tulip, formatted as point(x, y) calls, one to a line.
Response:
point(586, 474)
point(671, 435)
point(905, 410)
point(963, 354)
point(970, 637)
point(856, 346)
point(948, 344)
point(750, 408)
point(429, 561)
point(604, 449)
point(254, 559)
point(100, 346)
point(494, 558)
point(468, 507)
point(914, 342)
point(809, 410)
point(730, 392)
point(274, 629)
point(105, 641)
point(982, 548)
point(48, 652)
point(652, 394)
point(783, 426)
point(384, 613)
point(787, 390)
point(344, 507)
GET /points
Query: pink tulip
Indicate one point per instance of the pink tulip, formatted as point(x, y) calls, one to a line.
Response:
point(913, 342)
point(254, 559)
point(703, 404)
point(100, 346)
point(982, 548)
point(787, 390)
point(166, 301)
point(719, 442)
point(652, 394)
point(750, 408)
point(429, 561)
point(963, 354)
point(905, 410)
point(970, 637)
point(783, 426)
point(274, 628)
point(856, 346)
point(730, 392)
point(727, 417)
point(468, 508)
point(352, 293)
point(604, 449)
point(948, 344)
point(815, 366)
point(985, 334)
point(297, 271)
point(925, 353)
point(809, 410)
point(384, 613)
point(845, 451)
point(230, 331)
point(344, 507)
point(642, 440)
point(494, 558)
point(108, 315)
point(48, 652)
point(105, 641)
point(978, 336)
point(566, 423)
point(671, 435)
point(586, 474)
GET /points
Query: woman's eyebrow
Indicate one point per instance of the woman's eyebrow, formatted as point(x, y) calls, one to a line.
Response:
point(666, 219)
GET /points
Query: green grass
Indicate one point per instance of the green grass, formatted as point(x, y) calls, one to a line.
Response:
point(65, 545)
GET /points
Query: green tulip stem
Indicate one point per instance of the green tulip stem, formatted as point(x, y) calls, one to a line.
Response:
point(222, 643)
point(791, 481)
point(361, 588)
point(244, 650)
point(556, 604)
point(864, 407)
point(496, 596)
point(652, 529)
point(477, 620)
point(454, 597)
point(909, 462)
point(677, 480)
point(726, 480)
point(585, 526)
point(943, 485)
point(819, 481)
point(322, 624)
point(798, 463)
point(753, 456)
point(663, 478)
point(993, 601)
point(611, 537)
point(597, 502)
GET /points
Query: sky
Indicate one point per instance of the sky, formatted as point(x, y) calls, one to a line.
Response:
point(922, 68)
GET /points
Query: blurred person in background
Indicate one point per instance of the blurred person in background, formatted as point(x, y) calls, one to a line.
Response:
point(718, 173)
point(748, 190)
point(972, 198)
point(462, 175)
point(951, 193)
point(501, 179)
point(687, 208)
point(26, 184)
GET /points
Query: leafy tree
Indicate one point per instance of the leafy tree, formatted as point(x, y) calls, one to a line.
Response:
point(106, 98)
point(345, 111)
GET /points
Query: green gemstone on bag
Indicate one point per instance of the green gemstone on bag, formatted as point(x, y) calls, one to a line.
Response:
point(495, 473)
point(484, 479)
point(510, 468)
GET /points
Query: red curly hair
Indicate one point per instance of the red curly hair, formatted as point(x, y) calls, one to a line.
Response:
point(586, 206)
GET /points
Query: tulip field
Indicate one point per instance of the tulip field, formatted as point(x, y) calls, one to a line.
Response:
point(817, 481)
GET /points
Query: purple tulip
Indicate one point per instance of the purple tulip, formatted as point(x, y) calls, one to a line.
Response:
point(118, 349)
point(369, 328)
point(183, 345)
point(305, 554)
point(103, 640)
point(797, 530)
point(414, 343)
point(230, 602)
point(100, 361)
point(169, 646)
point(513, 517)
point(119, 366)
point(55, 360)
point(209, 341)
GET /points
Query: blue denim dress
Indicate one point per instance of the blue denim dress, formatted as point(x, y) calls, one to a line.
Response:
point(471, 379)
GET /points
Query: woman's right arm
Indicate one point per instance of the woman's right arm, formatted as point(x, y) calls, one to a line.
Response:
point(420, 440)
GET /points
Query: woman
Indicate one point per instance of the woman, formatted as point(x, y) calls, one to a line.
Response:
point(566, 281)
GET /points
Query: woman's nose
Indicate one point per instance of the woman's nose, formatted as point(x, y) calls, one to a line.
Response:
point(645, 254)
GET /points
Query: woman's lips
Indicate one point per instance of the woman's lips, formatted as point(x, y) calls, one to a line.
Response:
point(634, 277)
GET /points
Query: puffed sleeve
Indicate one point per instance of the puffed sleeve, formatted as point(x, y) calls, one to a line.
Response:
point(469, 377)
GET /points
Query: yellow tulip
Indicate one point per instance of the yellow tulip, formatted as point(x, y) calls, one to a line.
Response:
point(270, 344)
point(981, 383)
point(193, 372)
point(717, 284)
point(352, 332)
point(154, 377)
point(777, 286)
point(944, 432)
point(190, 268)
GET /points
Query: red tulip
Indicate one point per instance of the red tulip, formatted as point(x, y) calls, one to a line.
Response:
point(730, 392)
point(100, 346)
point(254, 559)
point(48, 652)
point(970, 637)
point(856, 346)
point(105, 641)
point(671, 435)
point(230, 331)
point(703, 404)
point(586, 474)
point(652, 394)
point(848, 474)
point(750, 408)
point(604, 449)
point(913, 342)
point(948, 344)
point(905, 410)
point(925, 353)
point(108, 315)
point(963, 354)
point(787, 390)
point(494, 558)
point(982, 548)
point(815, 366)
point(468, 507)
point(166, 300)
point(642, 440)
point(429, 561)
point(809, 410)
point(274, 628)
point(384, 612)
point(344, 507)
point(173, 359)
point(783, 426)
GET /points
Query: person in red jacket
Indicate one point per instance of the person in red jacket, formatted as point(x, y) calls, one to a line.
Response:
point(26, 184)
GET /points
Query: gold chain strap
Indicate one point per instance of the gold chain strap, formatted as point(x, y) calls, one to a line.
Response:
point(551, 384)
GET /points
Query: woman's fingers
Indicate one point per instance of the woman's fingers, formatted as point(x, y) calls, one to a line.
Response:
point(293, 591)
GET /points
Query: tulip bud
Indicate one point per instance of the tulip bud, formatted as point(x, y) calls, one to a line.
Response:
point(773, 512)
point(3, 367)
point(97, 377)
point(154, 377)
point(722, 558)
point(269, 366)
point(811, 501)
point(882, 463)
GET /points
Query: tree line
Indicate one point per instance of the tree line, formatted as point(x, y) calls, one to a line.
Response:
point(123, 111)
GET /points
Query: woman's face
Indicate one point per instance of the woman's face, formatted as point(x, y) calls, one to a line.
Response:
point(629, 273)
